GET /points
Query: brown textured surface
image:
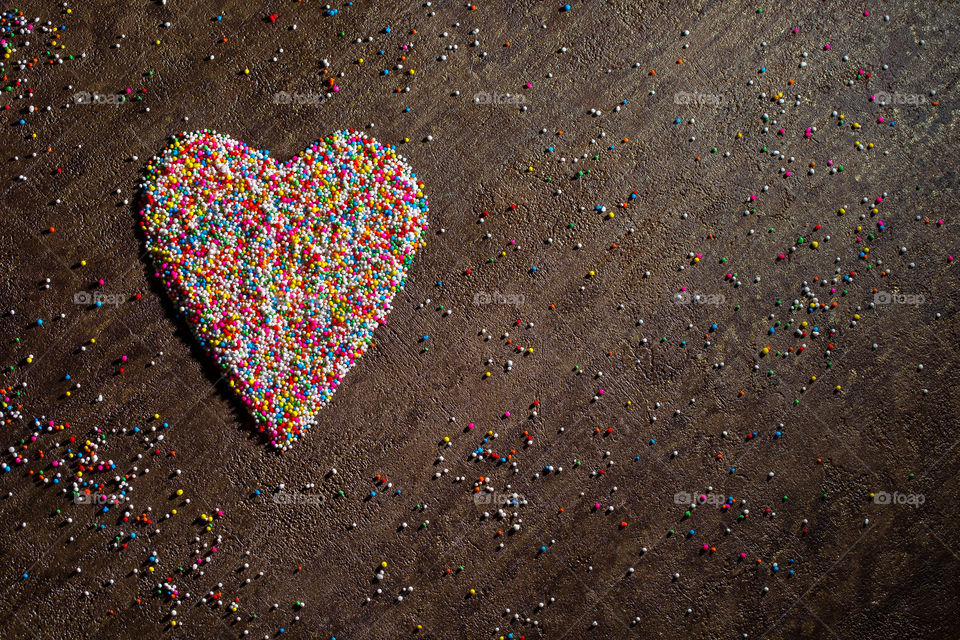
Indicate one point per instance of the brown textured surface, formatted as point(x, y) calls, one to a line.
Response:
point(893, 577)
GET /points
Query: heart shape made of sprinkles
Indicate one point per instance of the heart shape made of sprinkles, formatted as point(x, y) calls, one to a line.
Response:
point(283, 271)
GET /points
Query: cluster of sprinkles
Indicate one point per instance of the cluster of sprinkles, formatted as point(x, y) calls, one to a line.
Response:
point(283, 271)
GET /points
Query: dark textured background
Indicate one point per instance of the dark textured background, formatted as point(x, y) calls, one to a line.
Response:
point(891, 577)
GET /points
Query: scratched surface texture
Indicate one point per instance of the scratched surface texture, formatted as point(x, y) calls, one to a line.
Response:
point(676, 357)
